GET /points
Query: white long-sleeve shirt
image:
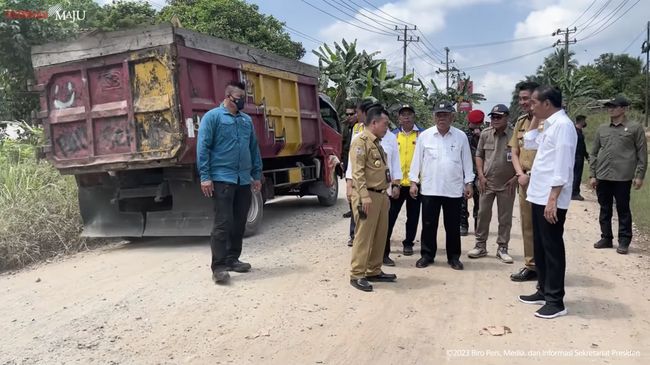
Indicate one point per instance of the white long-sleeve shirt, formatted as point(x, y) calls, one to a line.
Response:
point(442, 164)
point(553, 166)
point(389, 144)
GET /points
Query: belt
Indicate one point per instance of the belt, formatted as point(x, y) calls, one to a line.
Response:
point(377, 190)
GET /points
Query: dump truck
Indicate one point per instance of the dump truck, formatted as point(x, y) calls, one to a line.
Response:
point(121, 112)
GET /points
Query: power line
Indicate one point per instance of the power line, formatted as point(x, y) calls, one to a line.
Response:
point(477, 45)
point(634, 40)
point(345, 21)
point(304, 35)
point(433, 49)
point(599, 30)
point(583, 13)
point(508, 59)
point(355, 18)
point(588, 22)
point(385, 13)
point(600, 23)
point(383, 20)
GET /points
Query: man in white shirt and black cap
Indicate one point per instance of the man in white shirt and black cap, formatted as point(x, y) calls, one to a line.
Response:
point(549, 192)
point(442, 165)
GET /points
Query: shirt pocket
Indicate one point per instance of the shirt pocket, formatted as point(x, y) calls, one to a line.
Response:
point(227, 129)
point(375, 157)
point(431, 153)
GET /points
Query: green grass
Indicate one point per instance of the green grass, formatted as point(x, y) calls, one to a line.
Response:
point(640, 199)
point(39, 210)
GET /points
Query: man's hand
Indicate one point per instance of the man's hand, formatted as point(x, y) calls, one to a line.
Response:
point(482, 184)
point(394, 192)
point(523, 180)
point(366, 203)
point(550, 211)
point(593, 183)
point(469, 191)
point(413, 191)
point(348, 190)
point(257, 186)
point(207, 188)
point(511, 185)
point(638, 183)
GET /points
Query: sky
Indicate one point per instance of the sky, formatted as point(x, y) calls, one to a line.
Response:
point(615, 26)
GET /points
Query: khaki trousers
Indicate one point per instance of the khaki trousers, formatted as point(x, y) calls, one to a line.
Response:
point(370, 236)
point(526, 218)
point(505, 203)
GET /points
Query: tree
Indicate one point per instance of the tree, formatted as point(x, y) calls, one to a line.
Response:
point(123, 14)
point(234, 20)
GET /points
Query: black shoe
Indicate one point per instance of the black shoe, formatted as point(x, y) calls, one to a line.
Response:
point(388, 261)
point(604, 243)
point(536, 298)
point(464, 231)
point(525, 274)
point(549, 311)
point(423, 262)
point(220, 277)
point(382, 277)
point(361, 284)
point(408, 250)
point(238, 266)
point(577, 197)
point(350, 241)
point(623, 248)
point(347, 214)
point(456, 264)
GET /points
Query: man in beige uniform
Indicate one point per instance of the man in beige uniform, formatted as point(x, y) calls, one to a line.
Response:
point(496, 180)
point(522, 161)
point(370, 179)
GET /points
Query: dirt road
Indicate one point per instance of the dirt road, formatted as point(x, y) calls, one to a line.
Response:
point(154, 303)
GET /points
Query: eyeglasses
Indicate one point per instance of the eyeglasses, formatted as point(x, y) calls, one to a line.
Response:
point(497, 116)
point(349, 114)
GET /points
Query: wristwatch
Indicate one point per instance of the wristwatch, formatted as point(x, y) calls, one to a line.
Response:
point(394, 186)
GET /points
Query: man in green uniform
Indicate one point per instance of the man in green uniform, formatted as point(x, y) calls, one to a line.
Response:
point(619, 160)
point(370, 179)
point(522, 161)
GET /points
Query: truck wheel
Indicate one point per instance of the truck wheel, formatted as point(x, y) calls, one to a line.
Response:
point(332, 194)
point(254, 219)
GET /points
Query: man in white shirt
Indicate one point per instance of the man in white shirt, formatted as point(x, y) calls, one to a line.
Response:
point(549, 192)
point(389, 144)
point(442, 165)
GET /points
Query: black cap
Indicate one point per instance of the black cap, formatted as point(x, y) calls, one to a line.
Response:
point(499, 109)
point(405, 107)
point(444, 107)
point(618, 101)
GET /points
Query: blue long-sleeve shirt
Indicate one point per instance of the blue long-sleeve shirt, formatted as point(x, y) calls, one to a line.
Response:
point(227, 149)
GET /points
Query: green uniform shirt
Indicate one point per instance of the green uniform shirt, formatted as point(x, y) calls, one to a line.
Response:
point(620, 152)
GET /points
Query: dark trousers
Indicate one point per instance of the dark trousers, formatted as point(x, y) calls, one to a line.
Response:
point(431, 206)
point(577, 174)
point(550, 260)
point(412, 217)
point(353, 225)
point(607, 191)
point(231, 205)
point(464, 211)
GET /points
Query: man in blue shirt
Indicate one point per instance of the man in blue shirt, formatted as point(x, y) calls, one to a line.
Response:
point(229, 161)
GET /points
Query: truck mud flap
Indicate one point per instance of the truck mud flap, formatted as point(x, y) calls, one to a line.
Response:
point(101, 218)
point(191, 214)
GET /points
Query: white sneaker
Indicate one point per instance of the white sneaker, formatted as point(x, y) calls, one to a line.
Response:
point(502, 253)
point(477, 252)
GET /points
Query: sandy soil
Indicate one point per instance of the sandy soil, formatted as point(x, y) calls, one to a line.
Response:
point(153, 302)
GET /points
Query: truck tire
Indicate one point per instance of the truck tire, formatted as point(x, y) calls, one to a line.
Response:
point(332, 195)
point(255, 213)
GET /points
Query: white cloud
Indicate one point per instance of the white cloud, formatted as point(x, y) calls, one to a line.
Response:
point(497, 87)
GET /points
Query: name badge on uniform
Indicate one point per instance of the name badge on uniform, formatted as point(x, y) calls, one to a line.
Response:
point(388, 179)
point(509, 156)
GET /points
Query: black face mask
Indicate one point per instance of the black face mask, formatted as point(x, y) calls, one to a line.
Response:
point(239, 102)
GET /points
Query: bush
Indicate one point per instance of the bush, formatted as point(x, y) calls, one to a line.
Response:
point(38, 206)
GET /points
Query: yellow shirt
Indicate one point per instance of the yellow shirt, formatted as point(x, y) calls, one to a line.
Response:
point(406, 143)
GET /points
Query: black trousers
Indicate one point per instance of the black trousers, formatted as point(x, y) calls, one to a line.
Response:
point(412, 217)
point(577, 174)
point(550, 260)
point(607, 191)
point(231, 205)
point(464, 211)
point(431, 206)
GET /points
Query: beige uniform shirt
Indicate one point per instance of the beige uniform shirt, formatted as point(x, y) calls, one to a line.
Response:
point(493, 149)
point(368, 160)
point(526, 157)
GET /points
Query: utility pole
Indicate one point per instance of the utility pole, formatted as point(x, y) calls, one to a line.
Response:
point(406, 39)
point(645, 48)
point(565, 43)
point(447, 69)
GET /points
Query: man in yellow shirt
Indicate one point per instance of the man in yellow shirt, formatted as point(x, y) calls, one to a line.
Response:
point(407, 135)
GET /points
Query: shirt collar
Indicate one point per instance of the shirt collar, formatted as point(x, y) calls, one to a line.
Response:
point(436, 131)
point(369, 134)
point(227, 110)
point(623, 124)
point(554, 118)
